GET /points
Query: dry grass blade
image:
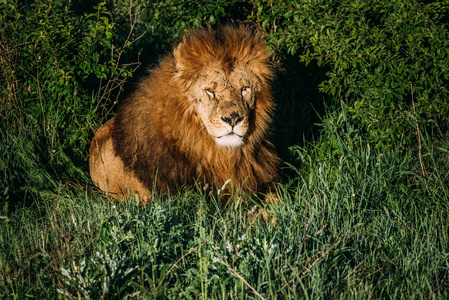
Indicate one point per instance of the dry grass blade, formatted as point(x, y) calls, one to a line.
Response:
point(233, 272)
point(175, 264)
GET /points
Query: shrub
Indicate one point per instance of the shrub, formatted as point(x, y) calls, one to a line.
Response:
point(60, 75)
point(387, 60)
point(160, 23)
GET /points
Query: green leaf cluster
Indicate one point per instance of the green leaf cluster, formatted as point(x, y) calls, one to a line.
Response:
point(163, 22)
point(55, 68)
point(387, 60)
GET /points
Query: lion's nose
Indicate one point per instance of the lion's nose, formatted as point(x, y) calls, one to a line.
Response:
point(233, 119)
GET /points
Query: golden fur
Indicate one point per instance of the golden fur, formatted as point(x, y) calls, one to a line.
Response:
point(201, 114)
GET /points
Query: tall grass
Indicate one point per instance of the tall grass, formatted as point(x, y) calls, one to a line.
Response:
point(355, 222)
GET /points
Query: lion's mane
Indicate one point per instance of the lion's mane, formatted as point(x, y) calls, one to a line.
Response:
point(163, 143)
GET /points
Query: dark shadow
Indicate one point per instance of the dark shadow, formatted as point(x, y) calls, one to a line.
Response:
point(299, 106)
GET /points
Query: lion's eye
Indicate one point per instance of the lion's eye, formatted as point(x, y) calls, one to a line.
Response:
point(245, 91)
point(210, 93)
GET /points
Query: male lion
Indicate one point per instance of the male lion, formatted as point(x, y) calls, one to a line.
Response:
point(202, 114)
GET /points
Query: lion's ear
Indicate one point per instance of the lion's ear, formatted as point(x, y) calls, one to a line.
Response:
point(188, 61)
point(180, 59)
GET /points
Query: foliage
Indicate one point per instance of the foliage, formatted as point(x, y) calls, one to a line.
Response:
point(51, 61)
point(388, 60)
point(159, 24)
point(355, 220)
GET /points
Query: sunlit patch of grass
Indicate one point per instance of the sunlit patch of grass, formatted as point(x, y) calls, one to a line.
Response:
point(354, 222)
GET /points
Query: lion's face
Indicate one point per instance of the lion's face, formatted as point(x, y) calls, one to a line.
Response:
point(225, 75)
point(224, 101)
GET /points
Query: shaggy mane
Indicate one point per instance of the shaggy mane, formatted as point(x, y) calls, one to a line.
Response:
point(160, 138)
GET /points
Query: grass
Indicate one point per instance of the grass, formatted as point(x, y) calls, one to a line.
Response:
point(355, 222)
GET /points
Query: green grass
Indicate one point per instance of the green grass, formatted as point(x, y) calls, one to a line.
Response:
point(354, 222)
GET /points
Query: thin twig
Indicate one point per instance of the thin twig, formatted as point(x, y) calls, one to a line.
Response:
point(437, 285)
point(319, 256)
point(419, 138)
point(304, 241)
point(174, 265)
point(233, 272)
point(40, 92)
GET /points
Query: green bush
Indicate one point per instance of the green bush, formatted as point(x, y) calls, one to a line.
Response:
point(387, 60)
point(158, 24)
point(60, 75)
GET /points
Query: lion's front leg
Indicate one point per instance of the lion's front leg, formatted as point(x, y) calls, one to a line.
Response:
point(107, 170)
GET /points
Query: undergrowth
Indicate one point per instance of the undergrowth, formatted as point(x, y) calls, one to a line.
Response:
point(355, 222)
point(357, 219)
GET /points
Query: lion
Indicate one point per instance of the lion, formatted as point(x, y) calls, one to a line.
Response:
point(201, 115)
